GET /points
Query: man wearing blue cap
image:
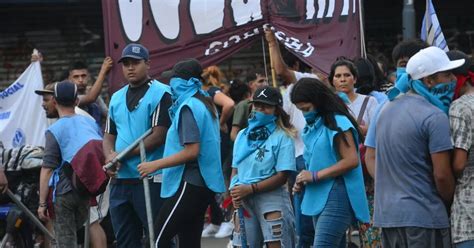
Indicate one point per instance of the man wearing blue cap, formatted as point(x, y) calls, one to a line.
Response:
point(140, 105)
point(65, 140)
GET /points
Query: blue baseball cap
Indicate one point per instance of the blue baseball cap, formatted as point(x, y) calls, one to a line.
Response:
point(65, 92)
point(134, 51)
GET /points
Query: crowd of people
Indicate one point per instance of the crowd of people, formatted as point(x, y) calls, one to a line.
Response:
point(309, 163)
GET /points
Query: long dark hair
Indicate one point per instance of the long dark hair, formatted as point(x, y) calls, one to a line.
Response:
point(366, 81)
point(208, 103)
point(325, 101)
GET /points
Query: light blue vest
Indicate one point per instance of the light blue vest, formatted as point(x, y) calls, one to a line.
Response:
point(209, 158)
point(320, 153)
point(131, 125)
point(71, 133)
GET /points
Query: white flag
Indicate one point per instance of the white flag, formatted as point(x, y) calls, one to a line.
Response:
point(22, 119)
point(431, 29)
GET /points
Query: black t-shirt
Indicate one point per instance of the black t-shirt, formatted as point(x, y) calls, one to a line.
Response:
point(188, 132)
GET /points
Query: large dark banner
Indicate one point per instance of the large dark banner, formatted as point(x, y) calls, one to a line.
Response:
point(317, 31)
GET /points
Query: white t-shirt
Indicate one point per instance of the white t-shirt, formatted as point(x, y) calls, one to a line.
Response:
point(369, 112)
point(296, 116)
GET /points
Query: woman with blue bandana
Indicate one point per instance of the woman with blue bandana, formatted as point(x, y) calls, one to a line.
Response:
point(334, 193)
point(191, 162)
point(263, 160)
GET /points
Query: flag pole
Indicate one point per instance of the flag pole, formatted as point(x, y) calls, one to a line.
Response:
point(274, 82)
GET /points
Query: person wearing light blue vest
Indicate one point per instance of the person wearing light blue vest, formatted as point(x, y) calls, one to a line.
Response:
point(264, 157)
point(66, 139)
point(334, 185)
point(191, 163)
point(140, 105)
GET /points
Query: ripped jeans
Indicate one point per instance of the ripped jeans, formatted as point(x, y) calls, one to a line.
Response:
point(268, 218)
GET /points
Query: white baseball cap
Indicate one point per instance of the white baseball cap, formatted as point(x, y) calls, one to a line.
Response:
point(429, 61)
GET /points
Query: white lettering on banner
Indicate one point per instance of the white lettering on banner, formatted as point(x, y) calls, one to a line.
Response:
point(131, 15)
point(207, 16)
point(295, 44)
point(331, 4)
point(246, 11)
point(217, 46)
point(292, 43)
point(11, 90)
point(166, 16)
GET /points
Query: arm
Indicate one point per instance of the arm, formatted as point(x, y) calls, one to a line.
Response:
point(234, 131)
point(279, 65)
point(94, 92)
point(3, 181)
point(370, 160)
point(227, 105)
point(152, 141)
point(189, 153)
point(241, 191)
point(459, 161)
point(443, 175)
point(349, 160)
point(43, 192)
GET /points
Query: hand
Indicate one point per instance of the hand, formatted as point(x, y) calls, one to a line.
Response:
point(106, 65)
point(236, 203)
point(112, 171)
point(239, 192)
point(269, 36)
point(36, 57)
point(42, 213)
point(304, 177)
point(3, 182)
point(146, 168)
point(224, 128)
point(297, 187)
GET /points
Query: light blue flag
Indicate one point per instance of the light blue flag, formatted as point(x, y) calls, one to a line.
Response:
point(431, 29)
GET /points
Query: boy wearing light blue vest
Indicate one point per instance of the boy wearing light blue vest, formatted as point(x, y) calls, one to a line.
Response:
point(140, 105)
point(191, 164)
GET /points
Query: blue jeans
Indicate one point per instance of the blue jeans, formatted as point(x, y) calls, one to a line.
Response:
point(331, 224)
point(303, 223)
point(128, 211)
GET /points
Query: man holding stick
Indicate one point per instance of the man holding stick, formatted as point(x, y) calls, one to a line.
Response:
point(140, 105)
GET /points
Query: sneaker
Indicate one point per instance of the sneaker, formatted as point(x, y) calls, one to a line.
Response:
point(225, 230)
point(210, 230)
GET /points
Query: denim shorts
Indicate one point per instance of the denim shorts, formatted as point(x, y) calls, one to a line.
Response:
point(260, 229)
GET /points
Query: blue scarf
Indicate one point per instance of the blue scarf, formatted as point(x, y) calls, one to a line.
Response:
point(182, 90)
point(261, 126)
point(310, 116)
point(441, 95)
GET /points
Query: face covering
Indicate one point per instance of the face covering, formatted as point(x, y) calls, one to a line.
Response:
point(441, 95)
point(182, 90)
point(310, 116)
point(261, 126)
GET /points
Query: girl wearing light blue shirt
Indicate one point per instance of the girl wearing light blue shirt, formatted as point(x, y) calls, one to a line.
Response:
point(334, 186)
point(263, 159)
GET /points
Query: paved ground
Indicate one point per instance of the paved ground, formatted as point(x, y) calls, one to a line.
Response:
point(214, 243)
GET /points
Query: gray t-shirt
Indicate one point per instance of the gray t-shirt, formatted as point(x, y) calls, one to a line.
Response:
point(52, 159)
point(188, 132)
point(409, 130)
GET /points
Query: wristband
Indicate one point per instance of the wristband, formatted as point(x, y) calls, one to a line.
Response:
point(314, 175)
point(253, 188)
point(43, 204)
